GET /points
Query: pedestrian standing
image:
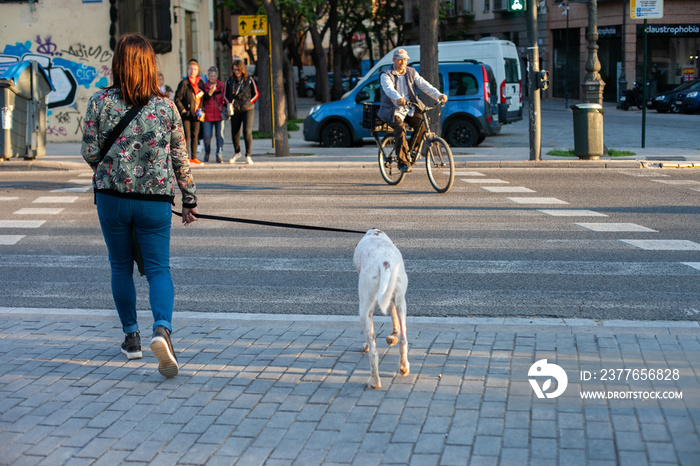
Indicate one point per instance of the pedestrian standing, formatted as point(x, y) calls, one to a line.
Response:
point(133, 140)
point(214, 108)
point(241, 93)
point(164, 88)
point(189, 100)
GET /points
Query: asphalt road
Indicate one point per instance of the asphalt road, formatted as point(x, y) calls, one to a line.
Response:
point(476, 251)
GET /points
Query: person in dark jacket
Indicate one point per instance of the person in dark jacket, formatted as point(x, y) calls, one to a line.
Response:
point(241, 93)
point(189, 100)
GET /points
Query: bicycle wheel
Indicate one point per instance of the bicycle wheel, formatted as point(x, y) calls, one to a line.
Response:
point(388, 162)
point(440, 165)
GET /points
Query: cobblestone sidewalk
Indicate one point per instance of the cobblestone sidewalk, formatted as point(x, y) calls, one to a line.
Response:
point(291, 390)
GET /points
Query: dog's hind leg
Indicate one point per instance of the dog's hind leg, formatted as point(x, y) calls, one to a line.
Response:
point(394, 337)
point(368, 330)
point(404, 366)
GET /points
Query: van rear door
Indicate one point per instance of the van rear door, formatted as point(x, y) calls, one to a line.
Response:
point(511, 91)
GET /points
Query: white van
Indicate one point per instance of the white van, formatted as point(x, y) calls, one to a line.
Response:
point(500, 55)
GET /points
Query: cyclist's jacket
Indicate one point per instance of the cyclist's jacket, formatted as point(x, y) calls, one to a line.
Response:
point(392, 90)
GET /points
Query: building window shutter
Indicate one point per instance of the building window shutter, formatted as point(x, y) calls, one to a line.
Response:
point(148, 17)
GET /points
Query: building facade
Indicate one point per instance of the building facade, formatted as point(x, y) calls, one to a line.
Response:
point(673, 46)
point(74, 40)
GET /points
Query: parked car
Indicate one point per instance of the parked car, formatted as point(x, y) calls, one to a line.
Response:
point(666, 101)
point(468, 117)
point(310, 86)
point(688, 100)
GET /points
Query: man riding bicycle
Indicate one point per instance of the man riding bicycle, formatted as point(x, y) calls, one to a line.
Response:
point(398, 88)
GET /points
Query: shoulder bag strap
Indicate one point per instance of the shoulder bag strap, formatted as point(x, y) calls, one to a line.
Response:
point(119, 129)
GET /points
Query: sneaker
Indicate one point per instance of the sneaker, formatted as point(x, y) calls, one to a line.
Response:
point(195, 162)
point(132, 345)
point(405, 168)
point(163, 349)
point(248, 160)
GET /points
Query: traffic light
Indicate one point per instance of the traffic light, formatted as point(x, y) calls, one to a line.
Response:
point(516, 5)
point(542, 80)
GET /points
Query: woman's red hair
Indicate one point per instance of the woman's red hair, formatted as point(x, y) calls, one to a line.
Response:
point(134, 70)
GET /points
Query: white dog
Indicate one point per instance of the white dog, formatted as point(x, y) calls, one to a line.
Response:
point(382, 283)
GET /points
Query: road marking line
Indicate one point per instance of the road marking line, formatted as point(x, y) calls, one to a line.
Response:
point(8, 240)
point(676, 181)
point(695, 265)
point(616, 227)
point(45, 211)
point(490, 180)
point(81, 189)
point(21, 223)
point(90, 174)
point(8, 198)
point(508, 189)
point(55, 200)
point(459, 173)
point(571, 213)
point(663, 244)
point(76, 181)
point(536, 200)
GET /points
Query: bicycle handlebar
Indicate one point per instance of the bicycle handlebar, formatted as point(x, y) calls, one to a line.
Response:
point(423, 107)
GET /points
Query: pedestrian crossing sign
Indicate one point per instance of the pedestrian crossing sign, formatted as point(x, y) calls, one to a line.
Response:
point(252, 25)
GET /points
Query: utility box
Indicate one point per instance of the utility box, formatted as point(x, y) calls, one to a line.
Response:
point(588, 131)
point(24, 88)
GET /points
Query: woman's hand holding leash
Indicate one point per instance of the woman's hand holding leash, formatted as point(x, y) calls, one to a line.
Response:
point(188, 215)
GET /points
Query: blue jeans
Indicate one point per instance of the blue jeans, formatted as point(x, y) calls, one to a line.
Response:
point(150, 221)
point(217, 127)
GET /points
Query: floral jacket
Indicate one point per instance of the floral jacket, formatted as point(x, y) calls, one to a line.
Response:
point(148, 157)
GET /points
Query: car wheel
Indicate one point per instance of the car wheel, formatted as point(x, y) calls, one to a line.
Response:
point(336, 134)
point(675, 108)
point(309, 92)
point(462, 133)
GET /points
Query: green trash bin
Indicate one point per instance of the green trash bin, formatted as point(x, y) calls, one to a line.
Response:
point(588, 131)
point(24, 88)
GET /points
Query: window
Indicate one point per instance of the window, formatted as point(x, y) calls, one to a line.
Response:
point(512, 71)
point(462, 83)
point(148, 17)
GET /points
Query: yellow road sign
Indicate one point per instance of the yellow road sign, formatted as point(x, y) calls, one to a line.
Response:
point(252, 25)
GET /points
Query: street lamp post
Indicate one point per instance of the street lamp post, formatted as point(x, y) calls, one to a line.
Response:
point(592, 86)
point(622, 82)
point(565, 6)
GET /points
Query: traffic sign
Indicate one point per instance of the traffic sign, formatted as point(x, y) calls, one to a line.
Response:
point(252, 25)
point(646, 9)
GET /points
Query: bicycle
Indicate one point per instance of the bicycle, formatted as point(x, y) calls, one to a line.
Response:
point(439, 162)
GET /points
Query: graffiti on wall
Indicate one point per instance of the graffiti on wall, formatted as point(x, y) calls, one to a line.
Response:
point(70, 67)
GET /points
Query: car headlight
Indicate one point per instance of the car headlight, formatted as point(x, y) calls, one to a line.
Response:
point(314, 109)
point(692, 94)
point(660, 98)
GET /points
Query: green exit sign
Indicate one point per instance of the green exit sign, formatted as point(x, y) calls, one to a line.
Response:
point(516, 5)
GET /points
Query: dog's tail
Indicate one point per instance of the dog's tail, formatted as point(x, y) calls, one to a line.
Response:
point(387, 282)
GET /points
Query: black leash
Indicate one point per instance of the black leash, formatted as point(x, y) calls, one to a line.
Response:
point(272, 224)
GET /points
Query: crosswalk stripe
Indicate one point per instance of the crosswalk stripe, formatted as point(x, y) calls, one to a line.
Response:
point(677, 182)
point(508, 189)
point(485, 181)
point(77, 189)
point(418, 266)
point(695, 265)
point(55, 200)
point(8, 198)
point(612, 227)
point(459, 173)
point(8, 240)
point(78, 181)
point(38, 211)
point(537, 200)
point(21, 223)
point(663, 244)
point(571, 213)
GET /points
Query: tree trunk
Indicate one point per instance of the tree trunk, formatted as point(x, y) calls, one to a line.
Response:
point(429, 54)
point(322, 91)
point(262, 72)
point(290, 89)
point(274, 19)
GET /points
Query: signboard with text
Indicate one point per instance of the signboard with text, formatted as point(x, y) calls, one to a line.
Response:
point(646, 9)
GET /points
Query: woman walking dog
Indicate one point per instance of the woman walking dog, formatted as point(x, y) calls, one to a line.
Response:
point(133, 140)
